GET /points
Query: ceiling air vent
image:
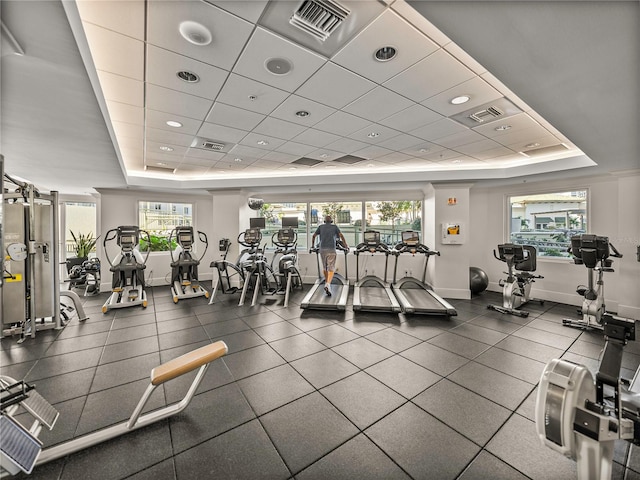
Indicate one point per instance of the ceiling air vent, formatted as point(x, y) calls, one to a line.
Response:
point(319, 18)
point(207, 144)
point(151, 168)
point(486, 114)
point(309, 162)
point(349, 159)
point(550, 150)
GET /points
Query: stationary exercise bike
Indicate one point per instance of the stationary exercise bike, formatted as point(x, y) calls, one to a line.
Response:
point(230, 276)
point(128, 267)
point(593, 252)
point(582, 418)
point(184, 268)
point(521, 261)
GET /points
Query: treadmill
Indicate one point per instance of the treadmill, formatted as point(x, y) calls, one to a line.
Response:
point(414, 295)
point(316, 298)
point(372, 293)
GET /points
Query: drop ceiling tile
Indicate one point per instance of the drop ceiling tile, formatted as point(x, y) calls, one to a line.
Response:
point(457, 139)
point(341, 123)
point(106, 51)
point(264, 46)
point(389, 29)
point(438, 129)
point(335, 86)
point(416, 19)
point(491, 155)
point(529, 135)
point(250, 11)
point(379, 103)
point(374, 134)
point(121, 89)
point(269, 165)
point(229, 32)
point(203, 162)
point(462, 163)
point(123, 112)
point(417, 163)
point(411, 118)
point(401, 142)
point(393, 158)
point(166, 159)
point(221, 133)
point(156, 119)
point(442, 155)
point(189, 170)
point(478, 146)
point(130, 142)
point(465, 58)
point(163, 66)
point(236, 161)
point(479, 91)
point(154, 146)
point(316, 138)
point(325, 155)
point(430, 76)
point(422, 149)
point(276, 157)
point(517, 123)
point(274, 127)
point(546, 141)
point(252, 139)
point(205, 155)
point(223, 114)
point(251, 95)
point(249, 152)
point(372, 152)
point(122, 17)
point(172, 138)
point(123, 129)
point(297, 149)
point(347, 145)
point(172, 101)
point(288, 109)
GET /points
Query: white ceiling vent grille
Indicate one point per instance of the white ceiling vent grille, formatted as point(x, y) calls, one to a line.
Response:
point(207, 144)
point(151, 168)
point(550, 150)
point(319, 18)
point(486, 114)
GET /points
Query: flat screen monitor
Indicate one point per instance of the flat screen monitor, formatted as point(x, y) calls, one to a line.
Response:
point(289, 222)
point(410, 238)
point(371, 237)
point(257, 222)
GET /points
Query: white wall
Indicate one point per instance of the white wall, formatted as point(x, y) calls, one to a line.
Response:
point(120, 207)
point(614, 211)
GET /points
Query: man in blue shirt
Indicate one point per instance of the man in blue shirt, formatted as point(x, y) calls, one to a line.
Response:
point(329, 234)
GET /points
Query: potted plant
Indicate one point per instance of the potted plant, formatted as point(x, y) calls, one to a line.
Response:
point(83, 245)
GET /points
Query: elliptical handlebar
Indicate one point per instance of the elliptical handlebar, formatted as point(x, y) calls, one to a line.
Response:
point(615, 253)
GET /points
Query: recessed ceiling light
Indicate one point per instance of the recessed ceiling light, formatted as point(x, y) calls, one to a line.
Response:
point(302, 113)
point(456, 161)
point(423, 150)
point(373, 135)
point(384, 54)
point(292, 168)
point(502, 128)
point(164, 148)
point(252, 97)
point(278, 66)
point(370, 165)
point(237, 160)
point(262, 142)
point(532, 145)
point(196, 33)
point(324, 155)
point(187, 76)
point(460, 100)
point(174, 124)
point(161, 164)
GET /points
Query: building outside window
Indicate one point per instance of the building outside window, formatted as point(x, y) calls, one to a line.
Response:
point(548, 221)
point(159, 219)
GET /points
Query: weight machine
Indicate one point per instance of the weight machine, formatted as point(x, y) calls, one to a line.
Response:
point(128, 266)
point(184, 269)
point(593, 252)
point(29, 235)
point(521, 261)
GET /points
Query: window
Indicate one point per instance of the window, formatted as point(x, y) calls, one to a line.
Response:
point(548, 221)
point(347, 215)
point(79, 218)
point(160, 218)
point(274, 213)
point(391, 218)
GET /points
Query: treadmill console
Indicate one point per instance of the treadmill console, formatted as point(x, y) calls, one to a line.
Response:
point(410, 238)
point(372, 238)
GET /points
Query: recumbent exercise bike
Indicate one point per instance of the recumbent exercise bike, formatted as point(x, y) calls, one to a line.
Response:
point(521, 262)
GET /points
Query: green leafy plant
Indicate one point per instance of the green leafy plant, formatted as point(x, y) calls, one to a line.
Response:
point(158, 243)
point(84, 244)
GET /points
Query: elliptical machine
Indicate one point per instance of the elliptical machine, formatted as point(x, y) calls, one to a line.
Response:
point(593, 252)
point(521, 261)
point(128, 266)
point(184, 269)
point(582, 418)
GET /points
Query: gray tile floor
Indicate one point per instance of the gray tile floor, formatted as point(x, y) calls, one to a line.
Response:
point(310, 394)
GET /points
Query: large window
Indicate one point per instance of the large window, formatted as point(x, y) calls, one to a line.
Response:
point(347, 215)
point(79, 222)
point(275, 212)
point(391, 218)
point(548, 220)
point(160, 218)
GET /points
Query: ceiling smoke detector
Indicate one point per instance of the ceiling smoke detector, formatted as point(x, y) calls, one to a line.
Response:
point(319, 18)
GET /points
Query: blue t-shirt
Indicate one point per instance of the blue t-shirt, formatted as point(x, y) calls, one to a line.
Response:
point(328, 235)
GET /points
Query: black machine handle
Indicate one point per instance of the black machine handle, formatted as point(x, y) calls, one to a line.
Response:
point(615, 253)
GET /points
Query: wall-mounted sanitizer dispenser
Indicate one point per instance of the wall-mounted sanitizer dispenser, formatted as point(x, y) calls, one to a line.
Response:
point(453, 233)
